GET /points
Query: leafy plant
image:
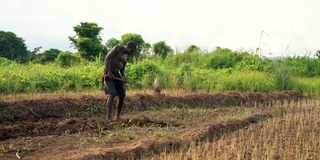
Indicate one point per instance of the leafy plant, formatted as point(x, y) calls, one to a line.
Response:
point(145, 70)
point(67, 59)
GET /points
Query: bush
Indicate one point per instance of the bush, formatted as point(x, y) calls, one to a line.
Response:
point(67, 59)
point(144, 71)
point(223, 58)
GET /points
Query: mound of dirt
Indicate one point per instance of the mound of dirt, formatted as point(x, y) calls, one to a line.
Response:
point(44, 108)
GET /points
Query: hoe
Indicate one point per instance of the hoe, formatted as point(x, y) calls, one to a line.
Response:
point(155, 87)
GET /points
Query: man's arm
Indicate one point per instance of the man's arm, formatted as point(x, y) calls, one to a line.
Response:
point(108, 59)
point(122, 70)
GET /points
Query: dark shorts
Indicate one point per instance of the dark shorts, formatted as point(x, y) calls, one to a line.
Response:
point(115, 87)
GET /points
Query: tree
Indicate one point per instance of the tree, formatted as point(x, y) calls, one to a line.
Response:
point(161, 48)
point(87, 40)
point(13, 47)
point(193, 48)
point(133, 37)
point(67, 59)
point(33, 54)
point(48, 55)
point(112, 42)
point(146, 48)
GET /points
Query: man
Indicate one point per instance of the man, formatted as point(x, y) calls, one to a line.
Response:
point(114, 76)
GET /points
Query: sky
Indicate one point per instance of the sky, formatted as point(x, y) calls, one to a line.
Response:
point(279, 27)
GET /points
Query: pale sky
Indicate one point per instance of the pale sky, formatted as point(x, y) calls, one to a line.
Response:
point(290, 27)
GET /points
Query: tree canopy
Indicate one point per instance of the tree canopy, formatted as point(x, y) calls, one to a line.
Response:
point(87, 40)
point(161, 48)
point(193, 48)
point(13, 47)
point(112, 42)
point(48, 55)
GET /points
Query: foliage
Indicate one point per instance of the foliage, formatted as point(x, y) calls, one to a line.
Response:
point(67, 59)
point(190, 71)
point(49, 77)
point(161, 48)
point(253, 63)
point(112, 42)
point(146, 48)
point(33, 54)
point(224, 58)
point(13, 47)
point(196, 59)
point(302, 66)
point(145, 71)
point(309, 86)
point(138, 39)
point(5, 62)
point(193, 48)
point(249, 81)
point(132, 37)
point(48, 56)
point(283, 77)
point(87, 40)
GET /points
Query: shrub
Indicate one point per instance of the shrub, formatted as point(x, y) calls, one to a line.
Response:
point(145, 71)
point(223, 58)
point(67, 59)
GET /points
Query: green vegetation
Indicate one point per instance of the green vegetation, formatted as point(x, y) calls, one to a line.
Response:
point(161, 48)
point(87, 40)
point(13, 47)
point(217, 71)
point(31, 78)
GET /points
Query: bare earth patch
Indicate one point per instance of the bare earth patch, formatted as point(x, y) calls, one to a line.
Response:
point(75, 127)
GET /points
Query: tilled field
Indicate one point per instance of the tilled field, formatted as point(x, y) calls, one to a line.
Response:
point(75, 127)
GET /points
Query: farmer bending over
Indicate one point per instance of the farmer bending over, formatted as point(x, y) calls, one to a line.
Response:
point(115, 64)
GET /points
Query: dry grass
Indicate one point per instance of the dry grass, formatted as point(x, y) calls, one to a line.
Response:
point(29, 96)
point(292, 135)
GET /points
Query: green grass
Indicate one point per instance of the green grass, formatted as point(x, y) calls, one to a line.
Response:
point(204, 72)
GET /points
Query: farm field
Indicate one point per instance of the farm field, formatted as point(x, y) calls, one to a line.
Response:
point(229, 125)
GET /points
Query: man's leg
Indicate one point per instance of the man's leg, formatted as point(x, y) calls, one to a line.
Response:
point(109, 106)
point(119, 107)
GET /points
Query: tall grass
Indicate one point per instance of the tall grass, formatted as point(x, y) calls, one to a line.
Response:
point(283, 77)
point(309, 86)
point(249, 81)
point(218, 71)
point(33, 78)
